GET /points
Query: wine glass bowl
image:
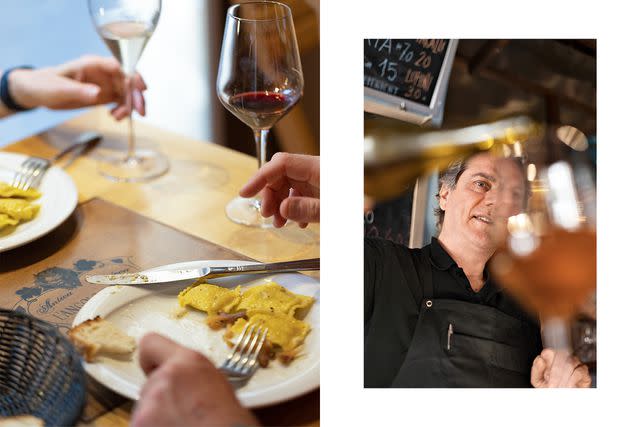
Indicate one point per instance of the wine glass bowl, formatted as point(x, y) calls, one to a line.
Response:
point(126, 26)
point(261, 110)
point(259, 80)
point(548, 260)
point(260, 75)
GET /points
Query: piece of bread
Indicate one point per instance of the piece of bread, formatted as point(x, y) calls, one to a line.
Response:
point(21, 421)
point(97, 337)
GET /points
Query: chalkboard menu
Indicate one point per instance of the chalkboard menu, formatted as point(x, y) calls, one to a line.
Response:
point(391, 220)
point(407, 79)
point(408, 218)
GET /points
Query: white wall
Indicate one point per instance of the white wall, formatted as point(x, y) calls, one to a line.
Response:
point(175, 66)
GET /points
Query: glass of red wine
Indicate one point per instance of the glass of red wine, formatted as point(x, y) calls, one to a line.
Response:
point(259, 80)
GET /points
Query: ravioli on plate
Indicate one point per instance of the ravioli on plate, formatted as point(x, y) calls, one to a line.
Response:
point(274, 298)
point(209, 298)
point(268, 304)
point(17, 205)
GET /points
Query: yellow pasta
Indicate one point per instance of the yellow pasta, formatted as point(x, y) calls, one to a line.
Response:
point(16, 205)
point(7, 220)
point(7, 190)
point(274, 298)
point(19, 209)
point(210, 298)
point(284, 331)
point(268, 304)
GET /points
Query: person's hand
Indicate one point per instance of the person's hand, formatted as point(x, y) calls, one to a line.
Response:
point(559, 369)
point(184, 388)
point(290, 185)
point(87, 81)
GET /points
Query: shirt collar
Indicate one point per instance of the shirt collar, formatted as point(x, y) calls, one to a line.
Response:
point(441, 260)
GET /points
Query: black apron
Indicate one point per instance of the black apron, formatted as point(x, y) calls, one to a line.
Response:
point(461, 344)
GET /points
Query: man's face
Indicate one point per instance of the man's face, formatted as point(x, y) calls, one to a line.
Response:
point(488, 192)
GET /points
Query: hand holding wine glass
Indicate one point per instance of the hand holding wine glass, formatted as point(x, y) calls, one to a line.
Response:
point(126, 26)
point(555, 369)
point(86, 81)
point(259, 80)
point(290, 188)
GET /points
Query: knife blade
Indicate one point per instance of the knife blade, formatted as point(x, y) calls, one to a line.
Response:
point(81, 145)
point(166, 275)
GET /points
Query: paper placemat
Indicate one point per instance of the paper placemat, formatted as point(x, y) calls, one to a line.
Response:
point(45, 278)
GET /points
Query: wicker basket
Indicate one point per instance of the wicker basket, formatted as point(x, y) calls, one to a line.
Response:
point(41, 373)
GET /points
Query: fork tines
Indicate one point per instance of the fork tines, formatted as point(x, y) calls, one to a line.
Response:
point(30, 173)
point(242, 361)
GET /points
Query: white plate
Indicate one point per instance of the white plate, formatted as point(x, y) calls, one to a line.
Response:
point(59, 199)
point(138, 310)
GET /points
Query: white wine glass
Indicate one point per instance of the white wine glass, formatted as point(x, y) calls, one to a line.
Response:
point(549, 257)
point(259, 80)
point(126, 26)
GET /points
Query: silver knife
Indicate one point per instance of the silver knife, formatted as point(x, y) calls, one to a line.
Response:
point(174, 275)
point(82, 144)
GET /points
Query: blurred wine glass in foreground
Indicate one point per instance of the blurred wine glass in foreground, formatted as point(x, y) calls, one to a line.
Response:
point(548, 260)
point(126, 26)
point(259, 80)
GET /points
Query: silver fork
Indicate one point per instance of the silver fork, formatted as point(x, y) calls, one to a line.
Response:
point(30, 173)
point(33, 168)
point(242, 362)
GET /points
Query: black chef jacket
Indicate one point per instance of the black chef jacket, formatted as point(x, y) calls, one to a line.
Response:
point(393, 277)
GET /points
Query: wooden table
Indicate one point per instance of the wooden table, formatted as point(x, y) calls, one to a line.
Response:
point(191, 198)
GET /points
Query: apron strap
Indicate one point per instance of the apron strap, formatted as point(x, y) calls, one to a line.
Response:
point(421, 264)
point(416, 270)
point(425, 275)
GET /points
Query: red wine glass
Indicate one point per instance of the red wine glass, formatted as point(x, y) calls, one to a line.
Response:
point(259, 80)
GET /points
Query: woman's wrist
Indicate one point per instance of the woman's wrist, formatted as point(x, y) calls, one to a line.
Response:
point(18, 87)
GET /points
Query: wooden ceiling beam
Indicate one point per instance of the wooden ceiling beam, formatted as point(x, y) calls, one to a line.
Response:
point(489, 50)
point(527, 85)
point(586, 47)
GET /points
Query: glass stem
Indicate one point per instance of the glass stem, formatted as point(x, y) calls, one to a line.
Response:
point(129, 90)
point(555, 334)
point(260, 135)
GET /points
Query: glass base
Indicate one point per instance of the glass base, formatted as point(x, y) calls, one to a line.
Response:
point(247, 212)
point(146, 164)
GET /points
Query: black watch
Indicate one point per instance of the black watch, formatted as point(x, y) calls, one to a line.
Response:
point(5, 94)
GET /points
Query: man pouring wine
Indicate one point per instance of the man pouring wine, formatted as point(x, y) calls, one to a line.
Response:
point(435, 318)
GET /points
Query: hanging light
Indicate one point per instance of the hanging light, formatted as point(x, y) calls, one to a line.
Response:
point(573, 137)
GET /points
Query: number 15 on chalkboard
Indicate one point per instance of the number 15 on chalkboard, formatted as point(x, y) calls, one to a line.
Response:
point(388, 69)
